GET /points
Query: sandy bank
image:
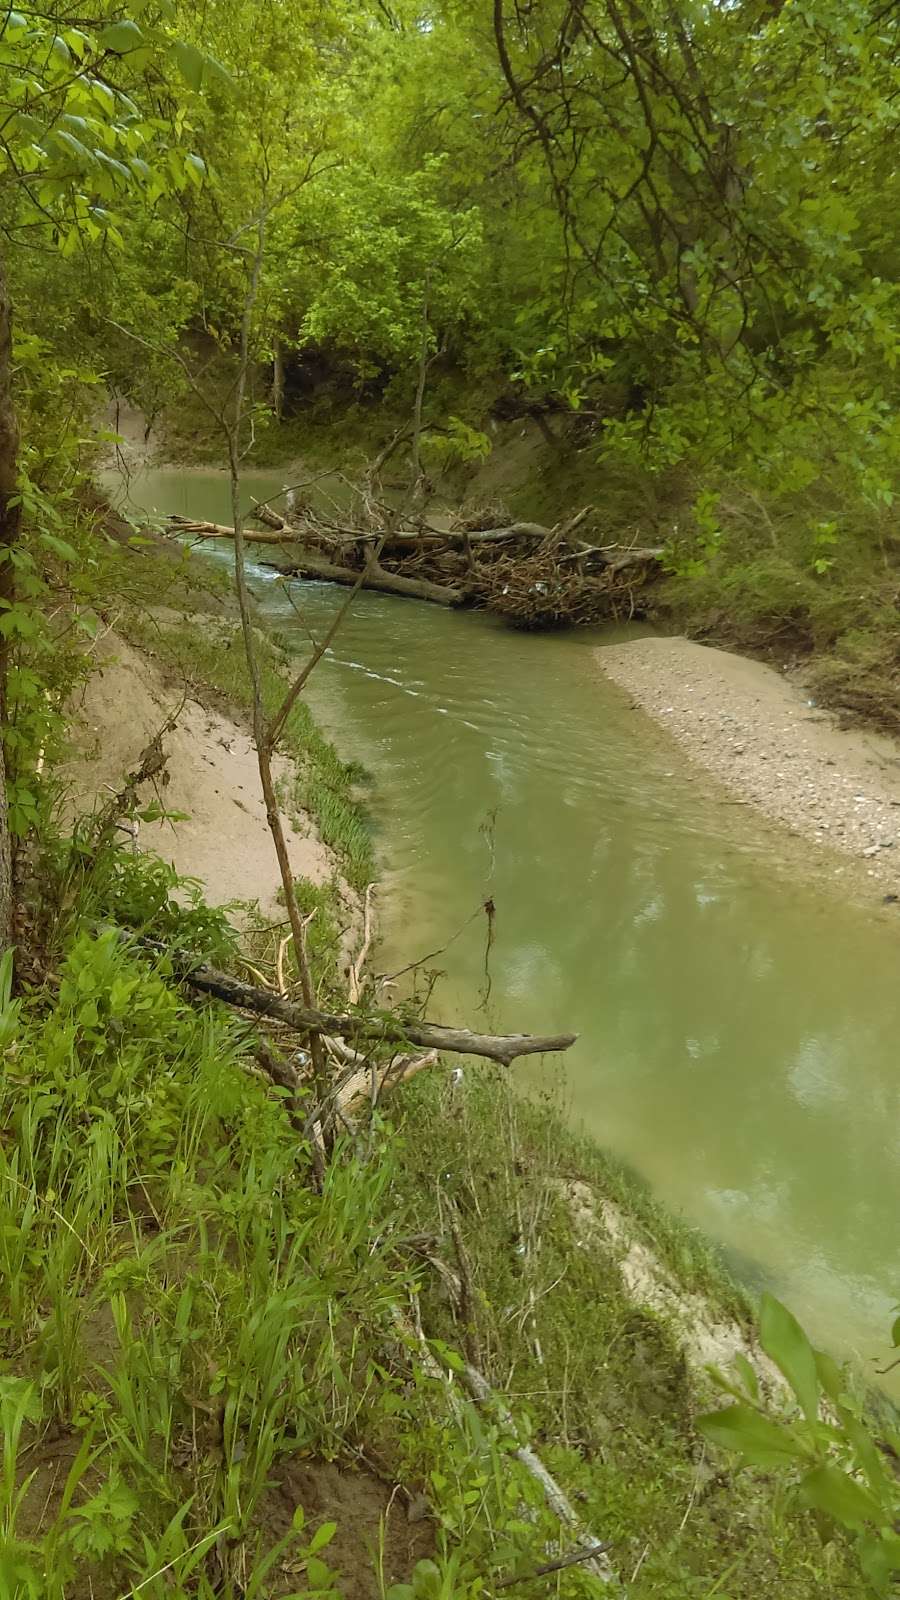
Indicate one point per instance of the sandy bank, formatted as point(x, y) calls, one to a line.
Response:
point(760, 734)
point(212, 778)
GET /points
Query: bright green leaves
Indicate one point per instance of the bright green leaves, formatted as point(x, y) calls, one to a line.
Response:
point(191, 63)
point(81, 143)
point(759, 1441)
point(121, 37)
point(198, 68)
point(843, 1477)
point(828, 1489)
point(783, 1339)
point(195, 170)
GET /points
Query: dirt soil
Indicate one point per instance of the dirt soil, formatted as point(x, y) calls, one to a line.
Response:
point(224, 838)
point(765, 739)
point(375, 1526)
point(706, 1337)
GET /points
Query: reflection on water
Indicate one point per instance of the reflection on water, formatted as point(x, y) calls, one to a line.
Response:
point(738, 1035)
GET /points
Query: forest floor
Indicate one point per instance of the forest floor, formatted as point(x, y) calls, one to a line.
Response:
point(762, 734)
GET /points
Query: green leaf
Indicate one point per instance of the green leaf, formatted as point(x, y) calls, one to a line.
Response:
point(828, 1489)
point(60, 547)
point(783, 1339)
point(758, 1440)
point(190, 63)
point(895, 1334)
point(322, 1537)
point(880, 1558)
point(298, 1520)
point(195, 169)
point(748, 1375)
point(426, 1579)
point(318, 1575)
point(830, 1376)
point(75, 147)
point(122, 37)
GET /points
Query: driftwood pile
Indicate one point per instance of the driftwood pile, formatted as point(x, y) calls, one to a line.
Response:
point(536, 577)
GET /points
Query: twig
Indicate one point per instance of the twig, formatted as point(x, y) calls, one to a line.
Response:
point(276, 726)
point(279, 962)
point(466, 1295)
point(571, 1560)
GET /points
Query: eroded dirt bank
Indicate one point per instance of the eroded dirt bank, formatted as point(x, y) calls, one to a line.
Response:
point(222, 836)
point(762, 736)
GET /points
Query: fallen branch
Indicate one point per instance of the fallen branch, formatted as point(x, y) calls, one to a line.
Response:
point(375, 577)
point(574, 1559)
point(593, 1552)
point(559, 1504)
point(373, 1084)
point(504, 1048)
point(354, 980)
point(221, 530)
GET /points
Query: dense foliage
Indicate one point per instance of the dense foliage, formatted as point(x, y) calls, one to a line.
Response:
point(671, 226)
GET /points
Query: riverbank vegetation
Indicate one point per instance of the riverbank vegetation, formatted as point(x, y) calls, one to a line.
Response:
point(258, 1340)
point(659, 246)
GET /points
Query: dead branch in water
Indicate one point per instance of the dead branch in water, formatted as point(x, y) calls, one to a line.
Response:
point(534, 575)
point(307, 1018)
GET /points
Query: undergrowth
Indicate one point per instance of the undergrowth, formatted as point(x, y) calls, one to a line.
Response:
point(187, 1317)
point(602, 1382)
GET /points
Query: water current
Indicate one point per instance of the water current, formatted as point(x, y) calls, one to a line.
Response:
point(738, 1023)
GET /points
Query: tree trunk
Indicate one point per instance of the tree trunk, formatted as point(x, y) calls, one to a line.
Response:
point(9, 534)
point(375, 577)
point(277, 378)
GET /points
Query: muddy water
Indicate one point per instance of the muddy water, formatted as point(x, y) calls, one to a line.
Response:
point(738, 1030)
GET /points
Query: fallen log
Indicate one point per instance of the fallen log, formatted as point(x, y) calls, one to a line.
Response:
point(308, 565)
point(593, 1551)
point(504, 1048)
point(535, 576)
point(219, 530)
point(376, 577)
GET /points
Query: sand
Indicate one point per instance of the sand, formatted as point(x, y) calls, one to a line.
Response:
point(759, 733)
point(224, 840)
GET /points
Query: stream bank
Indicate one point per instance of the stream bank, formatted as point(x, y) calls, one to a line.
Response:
point(737, 1020)
point(560, 1277)
point(765, 738)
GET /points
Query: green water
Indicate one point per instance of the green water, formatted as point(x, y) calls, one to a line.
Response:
point(738, 1029)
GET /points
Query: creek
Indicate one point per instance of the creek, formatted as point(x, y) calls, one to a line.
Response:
point(738, 1024)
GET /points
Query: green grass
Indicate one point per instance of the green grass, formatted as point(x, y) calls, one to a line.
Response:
point(181, 1309)
point(609, 1398)
point(186, 1316)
